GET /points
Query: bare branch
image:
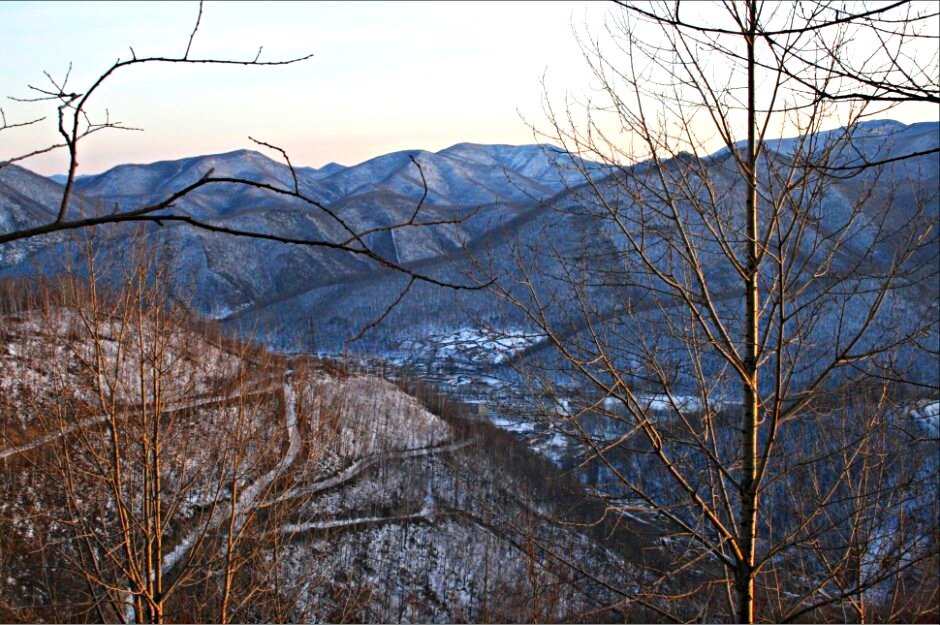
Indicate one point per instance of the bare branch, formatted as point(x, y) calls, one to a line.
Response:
point(192, 35)
point(293, 173)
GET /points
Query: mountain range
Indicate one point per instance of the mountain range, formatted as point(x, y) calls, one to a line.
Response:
point(486, 184)
point(498, 201)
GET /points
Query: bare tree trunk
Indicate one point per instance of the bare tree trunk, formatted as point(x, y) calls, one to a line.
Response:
point(748, 538)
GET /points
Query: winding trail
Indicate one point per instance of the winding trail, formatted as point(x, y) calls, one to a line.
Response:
point(246, 501)
point(362, 465)
point(426, 514)
point(102, 418)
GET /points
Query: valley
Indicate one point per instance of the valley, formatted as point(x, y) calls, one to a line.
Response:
point(451, 386)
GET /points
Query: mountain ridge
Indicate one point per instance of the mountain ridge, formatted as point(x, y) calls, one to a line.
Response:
point(506, 189)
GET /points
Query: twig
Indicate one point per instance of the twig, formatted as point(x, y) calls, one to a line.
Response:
point(283, 152)
point(192, 34)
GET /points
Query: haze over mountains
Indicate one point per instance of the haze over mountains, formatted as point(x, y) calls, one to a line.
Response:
point(460, 180)
point(510, 198)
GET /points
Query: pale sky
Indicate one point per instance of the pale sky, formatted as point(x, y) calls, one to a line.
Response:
point(384, 76)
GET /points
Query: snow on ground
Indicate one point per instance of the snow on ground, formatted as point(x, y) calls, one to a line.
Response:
point(663, 402)
point(511, 425)
point(372, 415)
point(480, 345)
point(349, 456)
point(926, 413)
point(64, 349)
point(249, 497)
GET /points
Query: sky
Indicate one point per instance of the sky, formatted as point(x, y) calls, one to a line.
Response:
point(384, 76)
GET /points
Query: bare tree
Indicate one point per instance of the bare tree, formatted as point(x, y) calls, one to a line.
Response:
point(735, 337)
point(153, 471)
point(75, 123)
point(164, 446)
point(185, 493)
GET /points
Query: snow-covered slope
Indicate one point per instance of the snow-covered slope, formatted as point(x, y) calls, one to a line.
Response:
point(349, 498)
point(519, 192)
point(467, 173)
point(869, 141)
point(462, 174)
point(225, 275)
point(134, 184)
